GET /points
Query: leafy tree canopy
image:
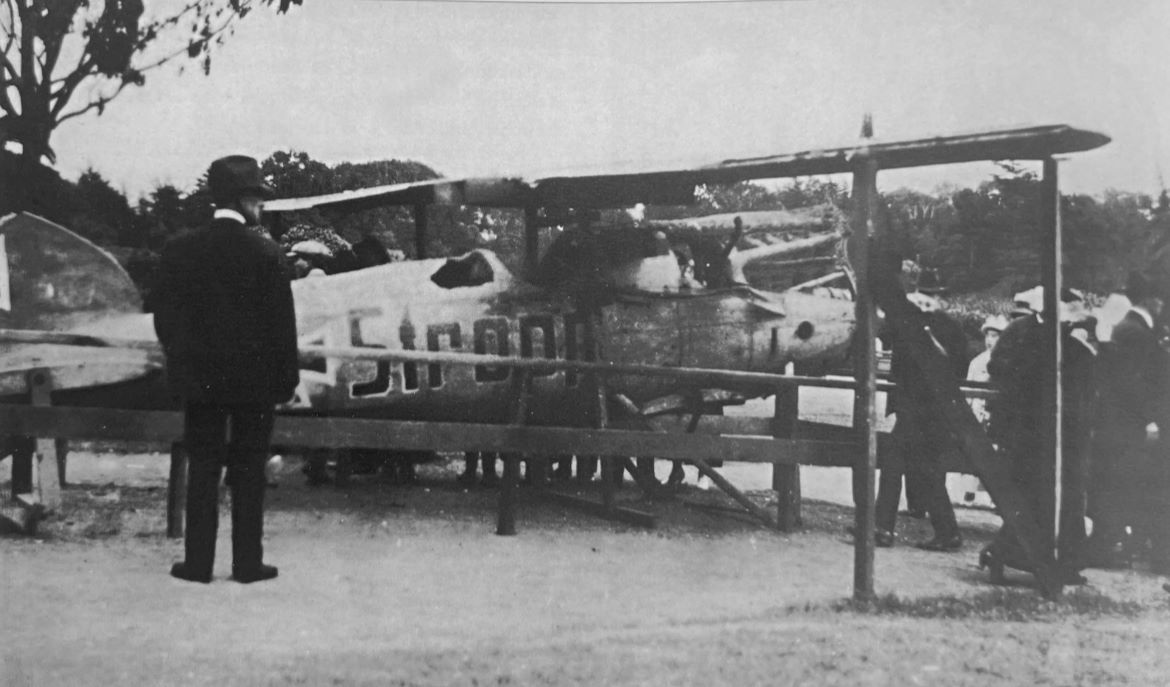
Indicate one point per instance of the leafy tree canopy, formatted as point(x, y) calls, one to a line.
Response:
point(63, 59)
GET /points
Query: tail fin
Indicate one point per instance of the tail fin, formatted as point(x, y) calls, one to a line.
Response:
point(52, 279)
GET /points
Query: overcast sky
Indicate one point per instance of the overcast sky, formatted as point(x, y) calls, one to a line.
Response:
point(530, 89)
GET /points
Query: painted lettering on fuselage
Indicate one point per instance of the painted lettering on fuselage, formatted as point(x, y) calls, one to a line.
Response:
point(543, 335)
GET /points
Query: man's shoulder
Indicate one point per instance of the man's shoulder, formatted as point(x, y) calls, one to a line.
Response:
point(1132, 329)
point(263, 246)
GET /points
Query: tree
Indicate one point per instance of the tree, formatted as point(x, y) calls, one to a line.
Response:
point(102, 215)
point(63, 59)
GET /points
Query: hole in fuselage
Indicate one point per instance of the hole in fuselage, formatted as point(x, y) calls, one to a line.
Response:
point(804, 331)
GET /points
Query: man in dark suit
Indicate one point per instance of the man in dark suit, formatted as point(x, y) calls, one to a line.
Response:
point(1017, 369)
point(1131, 397)
point(224, 314)
point(920, 435)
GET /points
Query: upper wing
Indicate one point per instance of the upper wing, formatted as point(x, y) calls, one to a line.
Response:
point(677, 186)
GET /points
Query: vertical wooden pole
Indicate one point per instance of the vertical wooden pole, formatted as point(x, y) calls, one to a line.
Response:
point(531, 242)
point(865, 204)
point(177, 491)
point(785, 477)
point(611, 467)
point(62, 446)
point(46, 466)
point(421, 221)
point(23, 449)
point(506, 514)
point(1052, 400)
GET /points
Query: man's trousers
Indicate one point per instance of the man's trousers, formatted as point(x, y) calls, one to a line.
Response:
point(920, 446)
point(236, 437)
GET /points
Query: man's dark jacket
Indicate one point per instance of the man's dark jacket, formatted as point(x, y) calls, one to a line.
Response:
point(224, 315)
point(912, 395)
point(1132, 393)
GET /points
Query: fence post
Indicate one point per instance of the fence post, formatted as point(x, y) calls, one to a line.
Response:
point(786, 476)
point(865, 204)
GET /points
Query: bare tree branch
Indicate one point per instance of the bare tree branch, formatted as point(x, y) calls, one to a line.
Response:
point(5, 101)
point(99, 104)
point(61, 96)
point(10, 30)
point(12, 33)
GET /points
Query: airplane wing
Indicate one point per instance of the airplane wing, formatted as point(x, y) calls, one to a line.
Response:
point(677, 186)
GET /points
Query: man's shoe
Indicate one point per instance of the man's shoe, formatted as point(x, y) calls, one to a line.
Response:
point(258, 574)
point(183, 571)
point(951, 543)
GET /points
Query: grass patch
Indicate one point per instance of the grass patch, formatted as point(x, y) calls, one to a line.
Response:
point(1018, 605)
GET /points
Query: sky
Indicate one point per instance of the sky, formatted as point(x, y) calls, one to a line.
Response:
point(532, 89)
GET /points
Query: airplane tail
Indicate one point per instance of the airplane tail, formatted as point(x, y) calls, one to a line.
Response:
point(52, 279)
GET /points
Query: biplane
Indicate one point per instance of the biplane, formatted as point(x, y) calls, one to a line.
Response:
point(619, 294)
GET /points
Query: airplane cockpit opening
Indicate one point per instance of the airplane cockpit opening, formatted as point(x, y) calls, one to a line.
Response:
point(472, 269)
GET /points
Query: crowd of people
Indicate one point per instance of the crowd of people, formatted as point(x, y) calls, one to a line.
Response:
point(1115, 471)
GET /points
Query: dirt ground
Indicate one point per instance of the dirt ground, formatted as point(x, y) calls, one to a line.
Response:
point(391, 585)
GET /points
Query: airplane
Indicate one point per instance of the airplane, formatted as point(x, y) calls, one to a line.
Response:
point(620, 294)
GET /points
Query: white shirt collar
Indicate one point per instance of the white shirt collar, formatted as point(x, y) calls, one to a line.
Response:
point(1145, 315)
point(228, 213)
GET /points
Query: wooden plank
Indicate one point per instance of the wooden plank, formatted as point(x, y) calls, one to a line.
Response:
point(618, 513)
point(786, 477)
point(724, 379)
point(317, 432)
point(865, 207)
point(177, 491)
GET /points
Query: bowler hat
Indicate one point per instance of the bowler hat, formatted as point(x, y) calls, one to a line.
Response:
point(233, 176)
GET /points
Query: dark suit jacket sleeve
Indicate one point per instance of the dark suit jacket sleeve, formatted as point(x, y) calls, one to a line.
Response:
point(170, 312)
point(1134, 371)
point(283, 329)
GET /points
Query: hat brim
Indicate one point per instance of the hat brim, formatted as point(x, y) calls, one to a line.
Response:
point(263, 190)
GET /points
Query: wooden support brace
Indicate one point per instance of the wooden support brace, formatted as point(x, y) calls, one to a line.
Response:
point(643, 474)
point(47, 466)
point(506, 510)
point(177, 491)
point(23, 448)
point(22, 513)
point(740, 498)
point(786, 477)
